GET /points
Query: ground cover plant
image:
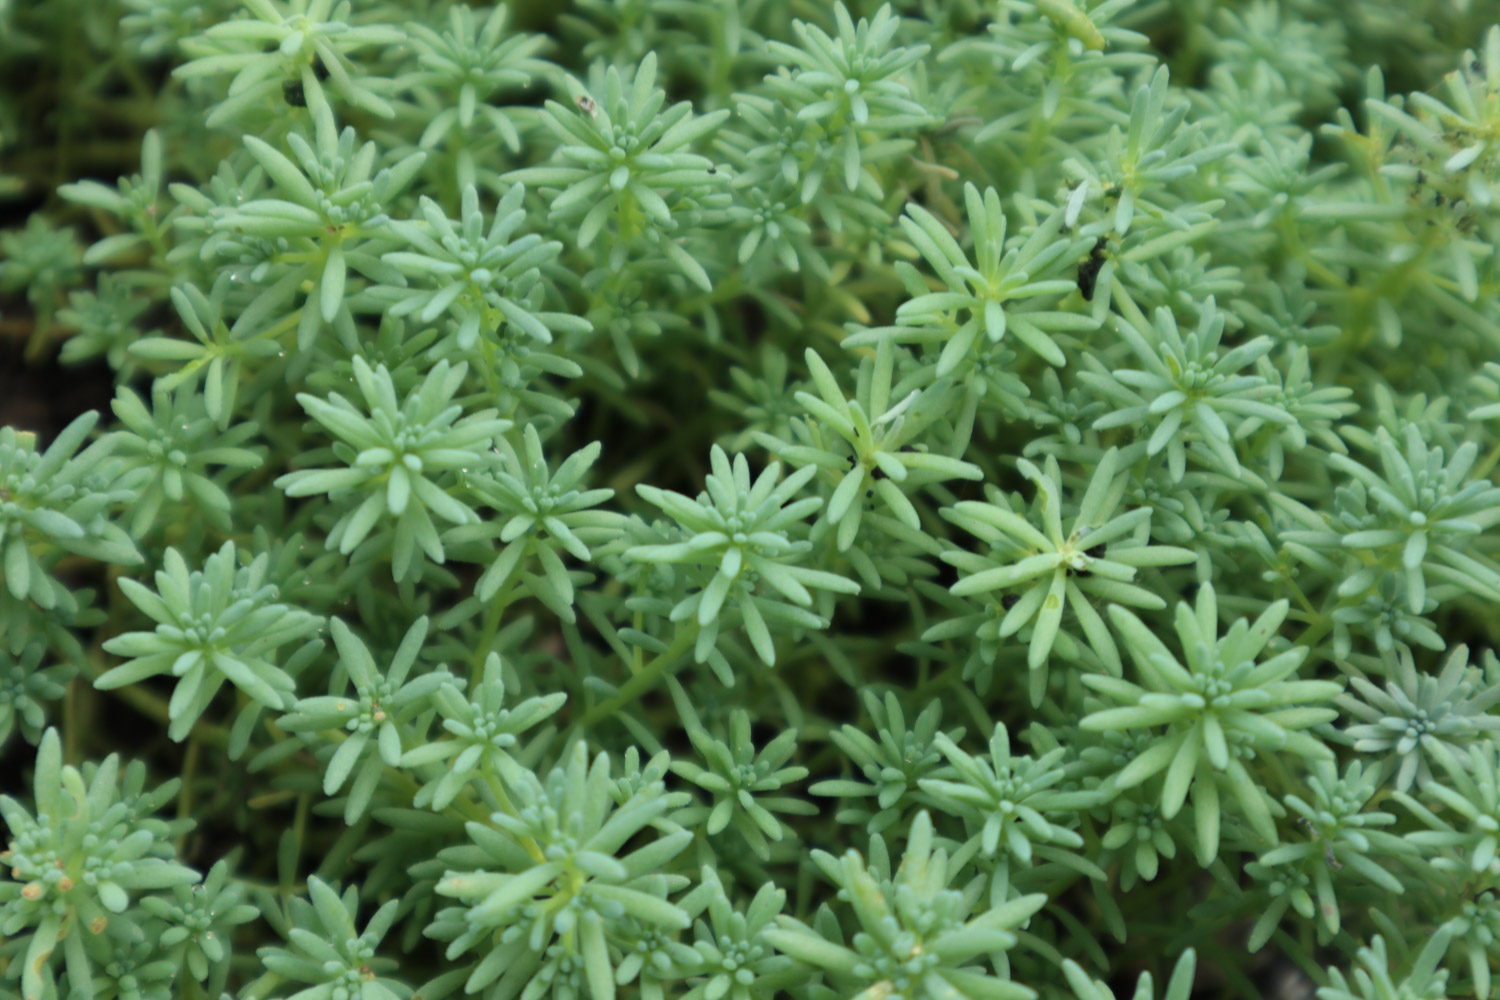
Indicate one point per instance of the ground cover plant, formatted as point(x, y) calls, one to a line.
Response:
point(746, 499)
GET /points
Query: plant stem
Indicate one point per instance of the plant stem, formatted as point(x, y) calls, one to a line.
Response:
point(491, 628)
point(649, 676)
point(185, 797)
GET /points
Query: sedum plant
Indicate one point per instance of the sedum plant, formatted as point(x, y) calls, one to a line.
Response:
point(735, 773)
point(874, 430)
point(844, 89)
point(462, 66)
point(399, 446)
point(80, 864)
point(646, 499)
point(56, 501)
point(217, 624)
point(1218, 705)
point(482, 278)
point(737, 534)
point(483, 729)
point(1055, 569)
point(1185, 389)
point(326, 223)
point(167, 452)
point(546, 514)
point(1416, 713)
point(290, 47)
point(622, 157)
point(549, 896)
point(384, 703)
point(328, 950)
point(1013, 804)
point(981, 289)
point(917, 935)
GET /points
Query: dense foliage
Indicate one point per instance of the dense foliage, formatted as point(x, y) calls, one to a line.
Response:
point(982, 499)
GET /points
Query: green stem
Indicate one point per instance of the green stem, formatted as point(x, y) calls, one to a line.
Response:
point(724, 291)
point(70, 723)
point(649, 676)
point(1486, 466)
point(1315, 632)
point(463, 808)
point(1301, 956)
point(185, 797)
point(1286, 223)
point(491, 628)
point(1312, 612)
point(935, 684)
point(299, 825)
point(497, 789)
